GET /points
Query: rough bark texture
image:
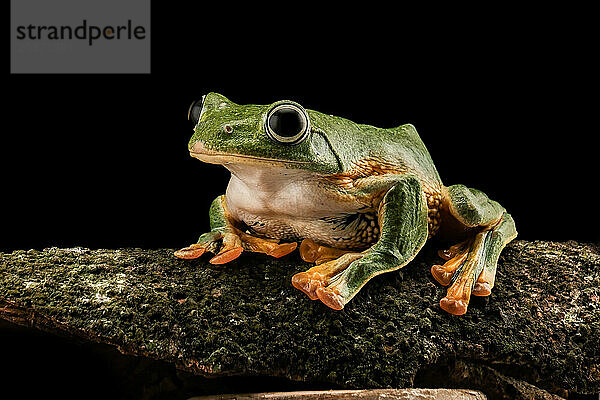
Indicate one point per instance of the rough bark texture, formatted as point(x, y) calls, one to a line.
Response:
point(537, 336)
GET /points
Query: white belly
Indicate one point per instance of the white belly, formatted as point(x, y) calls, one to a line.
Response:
point(292, 205)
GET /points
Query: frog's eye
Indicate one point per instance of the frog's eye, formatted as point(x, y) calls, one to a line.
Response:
point(195, 110)
point(287, 123)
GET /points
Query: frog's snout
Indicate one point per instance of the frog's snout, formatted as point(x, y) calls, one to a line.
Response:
point(199, 151)
point(197, 148)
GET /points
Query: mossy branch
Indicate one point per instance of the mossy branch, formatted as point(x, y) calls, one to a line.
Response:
point(538, 330)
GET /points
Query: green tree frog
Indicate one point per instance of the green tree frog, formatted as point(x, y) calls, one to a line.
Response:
point(357, 199)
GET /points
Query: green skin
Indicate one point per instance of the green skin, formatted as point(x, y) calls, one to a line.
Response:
point(368, 197)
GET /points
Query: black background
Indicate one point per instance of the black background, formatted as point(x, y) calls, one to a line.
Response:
point(504, 99)
point(504, 105)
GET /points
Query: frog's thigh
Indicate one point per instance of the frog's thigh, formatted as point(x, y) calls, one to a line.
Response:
point(471, 265)
point(472, 207)
point(403, 224)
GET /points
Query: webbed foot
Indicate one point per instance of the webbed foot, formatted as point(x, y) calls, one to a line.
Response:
point(309, 282)
point(226, 245)
point(314, 282)
point(231, 243)
point(464, 265)
point(454, 257)
point(470, 269)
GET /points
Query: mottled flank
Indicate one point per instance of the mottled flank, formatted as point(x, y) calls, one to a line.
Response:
point(357, 230)
point(365, 168)
point(434, 203)
point(536, 333)
point(370, 167)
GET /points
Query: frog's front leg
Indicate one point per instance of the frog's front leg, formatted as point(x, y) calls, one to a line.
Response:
point(470, 268)
point(228, 242)
point(403, 224)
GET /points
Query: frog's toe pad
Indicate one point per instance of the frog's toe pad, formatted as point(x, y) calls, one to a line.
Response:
point(454, 306)
point(482, 289)
point(226, 256)
point(190, 252)
point(330, 297)
point(441, 274)
point(308, 283)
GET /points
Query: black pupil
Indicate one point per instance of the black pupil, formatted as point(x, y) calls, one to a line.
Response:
point(286, 122)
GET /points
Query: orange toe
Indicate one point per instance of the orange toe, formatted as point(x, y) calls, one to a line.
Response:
point(227, 256)
point(330, 297)
point(307, 284)
point(481, 289)
point(190, 252)
point(309, 250)
point(441, 275)
point(453, 306)
point(283, 249)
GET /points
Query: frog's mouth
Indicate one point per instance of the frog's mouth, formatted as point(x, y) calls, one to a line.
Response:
point(203, 154)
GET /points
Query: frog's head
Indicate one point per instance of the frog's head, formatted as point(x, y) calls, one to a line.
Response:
point(282, 134)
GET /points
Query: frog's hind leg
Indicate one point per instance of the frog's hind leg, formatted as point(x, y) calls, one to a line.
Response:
point(470, 268)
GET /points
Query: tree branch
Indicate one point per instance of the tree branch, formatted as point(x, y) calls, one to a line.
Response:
point(537, 333)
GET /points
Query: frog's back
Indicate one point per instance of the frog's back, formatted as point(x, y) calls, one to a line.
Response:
point(408, 150)
point(391, 150)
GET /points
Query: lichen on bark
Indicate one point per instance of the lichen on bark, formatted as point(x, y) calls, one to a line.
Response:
point(539, 327)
